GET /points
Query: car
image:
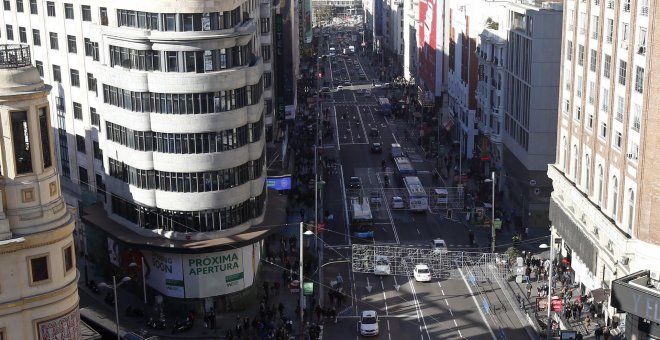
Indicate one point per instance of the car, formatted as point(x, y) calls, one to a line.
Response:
point(373, 132)
point(397, 203)
point(422, 273)
point(368, 324)
point(362, 76)
point(378, 85)
point(382, 265)
point(325, 89)
point(376, 148)
point(438, 245)
point(339, 87)
point(347, 83)
point(354, 183)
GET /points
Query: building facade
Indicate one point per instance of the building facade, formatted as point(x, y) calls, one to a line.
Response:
point(519, 55)
point(160, 109)
point(39, 280)
point(605, 177)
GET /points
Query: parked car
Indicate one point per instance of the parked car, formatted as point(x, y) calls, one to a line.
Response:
point(374, 198)
point(339, 87)
point(438, 245)
point(368, 324)
point(422, 273)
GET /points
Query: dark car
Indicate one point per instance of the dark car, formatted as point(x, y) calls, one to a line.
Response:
point(347, 83)
point(376, 148)
point(373, 132)
point(354, 183)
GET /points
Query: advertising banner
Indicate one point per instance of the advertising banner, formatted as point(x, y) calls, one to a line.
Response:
point(217, 273)
point(164, 273)
point(66, 326)
point(430, 43)
point(307, 24)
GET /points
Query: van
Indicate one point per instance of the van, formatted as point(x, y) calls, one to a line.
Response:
point(440, 196)
point(396, 151)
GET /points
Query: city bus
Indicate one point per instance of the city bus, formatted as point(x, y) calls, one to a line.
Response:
point(385, 106)
point(418, 200)
point(362, 221)
point(403, 167)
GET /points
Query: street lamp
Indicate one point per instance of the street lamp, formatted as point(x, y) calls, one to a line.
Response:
point(144, 282)
point(114, 289)
point(492, 211)
point(552, 257)
point(300, 269)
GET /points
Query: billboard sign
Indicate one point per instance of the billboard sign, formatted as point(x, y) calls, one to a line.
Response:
point(163, 273)
point(218, 273)
point(279, 183)
point(65, 326)
point(307, 21)
point(430, 43)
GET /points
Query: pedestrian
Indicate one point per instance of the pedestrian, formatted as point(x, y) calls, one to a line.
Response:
point(280, 308)
point(246, 324)
point(229, 335)
point(276, 287)
point(529, 290)
point(528, 272)
point(238, 330)
point(598, 331)
point(579, 336)
point(587, 322)
point(340, 281)
point(318, 311)
point(606, 333)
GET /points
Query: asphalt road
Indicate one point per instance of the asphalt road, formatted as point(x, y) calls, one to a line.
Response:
point(442, 309)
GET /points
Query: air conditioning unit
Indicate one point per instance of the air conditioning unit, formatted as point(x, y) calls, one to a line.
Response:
point(625, 260)
point(641, 50)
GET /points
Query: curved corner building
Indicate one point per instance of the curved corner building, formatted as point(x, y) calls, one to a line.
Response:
point(38, 280)
point(160, 116)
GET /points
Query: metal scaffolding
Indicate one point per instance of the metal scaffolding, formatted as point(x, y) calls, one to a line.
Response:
point(443, 264)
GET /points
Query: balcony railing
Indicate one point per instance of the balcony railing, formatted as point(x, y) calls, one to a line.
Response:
point(14, 56)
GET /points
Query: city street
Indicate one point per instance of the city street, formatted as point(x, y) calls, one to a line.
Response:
point(441, 309)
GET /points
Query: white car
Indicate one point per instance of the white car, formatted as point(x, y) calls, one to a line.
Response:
point(382, 265)
point(368, 324)
point(422, 273)
point(439, 245)
point(397, 203)
point(339, 87)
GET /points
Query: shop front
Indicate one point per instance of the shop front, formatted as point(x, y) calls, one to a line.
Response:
point(638, 296)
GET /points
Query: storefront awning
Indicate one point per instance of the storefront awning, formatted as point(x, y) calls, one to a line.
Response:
point(573, 236)
point(600, 294)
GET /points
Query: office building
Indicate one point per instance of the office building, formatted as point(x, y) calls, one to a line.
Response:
point(38, 280)
point(605, 177)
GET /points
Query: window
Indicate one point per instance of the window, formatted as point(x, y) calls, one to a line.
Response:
point(91, 49)
point(57, 73)
point(96, 120)
point(21, 139)
point(50, 8)
point(575, 162)
point(86, 13)
point(567, 105)
point(39, 269)
point(83, 177)
point(603, 130)
point(623, 65)
point(644, 8)
point(80, 143)
point(591, 95)
point(607, 65)
point(45, 139)
point(594, 27)
point(71, 43)
point(615, 196)
point(7, 5)
point(636, 120)
point(172, 61)
point(605, 99)
point(569, 50)
point(625, 32)
point(268, 79)
point(40, 67)
point(620, 102)
point(77, 111)
point(33, 7)
point(98, 153)
point(10, 32)
point(581, 22)
point(641, 41)
point(590, 121)
point(67, 255)
point(593, 58)
point(103, 14)
point(75, 78)
point(634, 151)
point(36, 37)
point(265, 52)
point(19, 6)
point(53, 41)
point(580, 56)
point(587, 171)
point(59, 104)
point(639, 79)
point(68, 11)
point(626, 5)
point(609, 31)
point(578, 87)
point(169, 22)
point(631, 210)
point(91, 83)
point(265, 25)
point(618, 139)
point(600, 184)
point(578, 113)
point(22, 35)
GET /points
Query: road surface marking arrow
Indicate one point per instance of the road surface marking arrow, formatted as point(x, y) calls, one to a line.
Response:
point(369, 287)
point(396, 285)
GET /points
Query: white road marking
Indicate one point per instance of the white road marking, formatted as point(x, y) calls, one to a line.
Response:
point(419, 308)
point(418, 233)
point(385, 300)
point(476, 303)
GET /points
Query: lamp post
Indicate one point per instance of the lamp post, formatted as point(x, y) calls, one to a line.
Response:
point(548, 306)
point(492, 211)
point(114, 290)
point(300, 268)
